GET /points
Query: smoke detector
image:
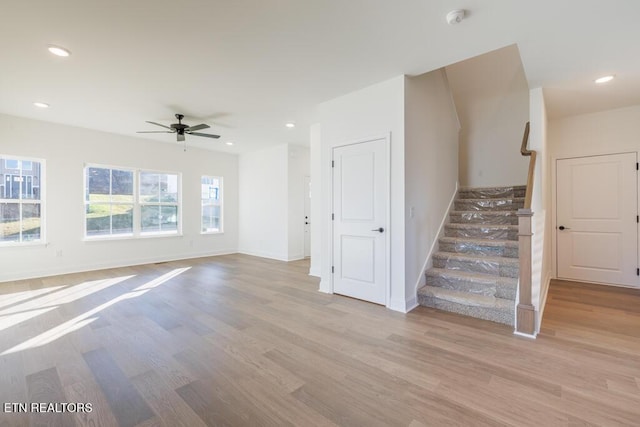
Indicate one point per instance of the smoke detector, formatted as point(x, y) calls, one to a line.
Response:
point(455, 16)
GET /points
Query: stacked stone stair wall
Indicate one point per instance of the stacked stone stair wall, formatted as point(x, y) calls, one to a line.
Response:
point(475, 271)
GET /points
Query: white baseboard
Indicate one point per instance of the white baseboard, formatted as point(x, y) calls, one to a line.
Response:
point(411, 304)
point(33, 274)
point(269, 255)
point(520, 334)
point(397, 305)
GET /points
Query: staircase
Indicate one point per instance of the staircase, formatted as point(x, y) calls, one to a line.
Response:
point(475, 272)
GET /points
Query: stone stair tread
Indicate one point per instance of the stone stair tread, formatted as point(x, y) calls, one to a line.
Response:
point(466, 298)
point(474, 225)
point(511, 199)
point(487, 213)
point(503, 187)
point(479, 241)
point(478, 258)
point(470, 275)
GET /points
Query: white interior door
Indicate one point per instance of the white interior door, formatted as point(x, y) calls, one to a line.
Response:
point(597, 230)
point(360, 205)
point(307, 216)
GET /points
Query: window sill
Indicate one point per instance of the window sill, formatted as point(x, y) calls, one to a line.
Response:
point(208, 233)
point(23, 244)
point(130, 237)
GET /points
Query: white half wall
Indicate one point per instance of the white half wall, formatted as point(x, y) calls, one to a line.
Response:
point(431, 169)
point(264, 203)
point(375, 111)
point(491, 95)
point(65, 150)
point(540, 205)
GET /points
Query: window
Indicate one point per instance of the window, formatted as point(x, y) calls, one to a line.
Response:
point(211, 189)
point(109, 202)
point(118, 207)
point(158, 202)
point(21, 213)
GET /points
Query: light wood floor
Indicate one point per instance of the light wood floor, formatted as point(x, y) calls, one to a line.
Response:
point(237, 340)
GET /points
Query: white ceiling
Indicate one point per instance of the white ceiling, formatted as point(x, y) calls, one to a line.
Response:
point(249, 66)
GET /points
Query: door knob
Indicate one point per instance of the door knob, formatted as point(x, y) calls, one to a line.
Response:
point(562, 227)
point(379, 230)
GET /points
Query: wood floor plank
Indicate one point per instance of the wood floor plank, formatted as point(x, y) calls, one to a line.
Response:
point(240, 340)
point(126, 403)
point(44, 387)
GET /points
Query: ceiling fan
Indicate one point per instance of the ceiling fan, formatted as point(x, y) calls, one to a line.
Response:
point(180, 129)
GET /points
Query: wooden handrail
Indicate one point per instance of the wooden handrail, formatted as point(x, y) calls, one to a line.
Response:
point(532, 164)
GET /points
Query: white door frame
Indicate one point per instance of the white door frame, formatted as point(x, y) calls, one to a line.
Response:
point(554, 207)
point(387, 236)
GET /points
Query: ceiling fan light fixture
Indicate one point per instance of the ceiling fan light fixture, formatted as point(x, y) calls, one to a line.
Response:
point(59, 51)
point(41, 104)
point(604, 79)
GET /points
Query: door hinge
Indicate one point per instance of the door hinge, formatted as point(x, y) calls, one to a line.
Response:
point(638, 218)
point(637, 271)
point(333, 216)
point(333, 164)
point(333, 269)
point(637, 166)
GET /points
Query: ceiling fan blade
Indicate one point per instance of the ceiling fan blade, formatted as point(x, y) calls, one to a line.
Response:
point(206, 135)
point(154, 131)
point(180, 137)
point(196, 127)
point(158, 124)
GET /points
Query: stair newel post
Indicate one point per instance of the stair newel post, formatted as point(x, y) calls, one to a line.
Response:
point(525, 312)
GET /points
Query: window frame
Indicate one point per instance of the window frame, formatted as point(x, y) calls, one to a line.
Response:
point(41, 201)
point(220, 179)
point(137, 232)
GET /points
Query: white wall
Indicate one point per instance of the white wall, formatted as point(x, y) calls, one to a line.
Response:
point(264, 203)
point(492, 98)
point(272, 202)
point(540, 205)
point(431, 169)
point(65, 150)
point(298, 168)
point(315, 267)
point(606, 132)
point(371, 112)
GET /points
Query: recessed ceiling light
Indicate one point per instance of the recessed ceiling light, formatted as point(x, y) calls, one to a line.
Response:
point(290, 125)
point(59, 51)
point(41, 104)
point(229, 143)
point(604, 79)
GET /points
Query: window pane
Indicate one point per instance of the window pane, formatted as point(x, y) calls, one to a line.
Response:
point(169, 218)
point(11, 164)
point(30, 221)
point(27, 165)
point(169, 188)
point(98, 219)
point(13, 184)
point(121, 186)
point(210, 218)
point(149, 187)
point(150, 218)
point(121, 219)
point(9, 222)
point(98, 184)
point(35, 173)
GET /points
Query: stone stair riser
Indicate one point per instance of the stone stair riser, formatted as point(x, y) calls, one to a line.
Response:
point(495, 289)
point(478, 266)
point(499, 193)
point(488, 205)
point(479, 249)
point(494, 315)
point(485, 217)
point(482, 232)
